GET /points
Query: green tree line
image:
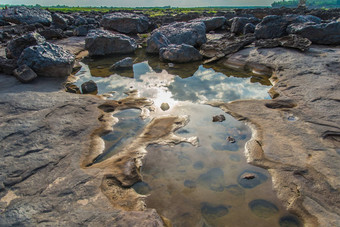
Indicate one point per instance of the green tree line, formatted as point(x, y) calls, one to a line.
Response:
point(311, 3)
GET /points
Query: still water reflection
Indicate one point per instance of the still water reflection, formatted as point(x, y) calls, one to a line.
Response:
point(208, 185)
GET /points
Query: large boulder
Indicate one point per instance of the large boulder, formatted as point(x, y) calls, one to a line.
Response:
point(7, 65)
point(21, 14)
point(274, 26)
point(326, 33)
point(292, 41)
point(83, 30)
point(48, 60)
point(238, 23)
point(16, 46)
point(184, 33)
point(126, 63)
point(59, 21)
point(179, 53)
point(125, 22)
point(248, 28)
point(101, 42)
point(211, 23)
point(155, 42)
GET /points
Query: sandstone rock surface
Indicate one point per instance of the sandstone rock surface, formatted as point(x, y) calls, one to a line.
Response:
point(296, 135)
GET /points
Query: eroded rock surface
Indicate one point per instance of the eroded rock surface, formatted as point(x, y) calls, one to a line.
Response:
point(179, 53)
point(44, 135)
point(296, 136)
point(20, 14)
point(125, 22)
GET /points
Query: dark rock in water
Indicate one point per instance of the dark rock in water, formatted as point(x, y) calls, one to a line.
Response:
point(213, 179)
point(126, 63)
point(251, 179)
point(82, 30)
point(21, 14)
point(289, 221)
point(210, 211)
point(156, 41)
point(211, 23)
point(59, 21)
point(24, 74)
point(89, 87)
point(217, 49)
point(7, 65)
point(190, 184)
point(179, 53)
point(125, 22)
point(218, 118)
point(72, 88)
point(101, 42)
point(238, 23)
point(248, 28)
point(235, 190)
point(327, 33)
point(274, 26)
point(165, 106)
point(292, 41)
point(142, 188)
point(48, 60)
point(16, 46)
point(52, 33)
point(184, 33)
point(231, 139)
point(263, 208)
point(198, 165)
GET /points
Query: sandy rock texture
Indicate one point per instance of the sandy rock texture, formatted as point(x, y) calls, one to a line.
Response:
point(44, 134)
point(296, 136)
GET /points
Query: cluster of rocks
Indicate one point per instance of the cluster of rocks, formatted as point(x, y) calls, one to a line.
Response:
point(178, 38)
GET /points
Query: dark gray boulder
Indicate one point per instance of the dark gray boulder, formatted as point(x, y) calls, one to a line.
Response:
point(82, 30)
point(291, 41)
point(16, 46)
point(126, 63)
point(89, 87)
point(179, 53)
point(24, 74)
point(80, 21)
point(156, 41)
point(21, 14)
point(48, 60)
point(59, 21)
point(125, 22)
point(52, 33)
point(248, 28)
point(238, 23)
point(211, 23)
point(274, 26)
point(101, 42)
point(327, 33)
point(184, 33)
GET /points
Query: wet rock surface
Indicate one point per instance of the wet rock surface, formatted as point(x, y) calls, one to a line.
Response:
point(44, 131)
point(48, 60)
point(101, 42)
point(300, 154)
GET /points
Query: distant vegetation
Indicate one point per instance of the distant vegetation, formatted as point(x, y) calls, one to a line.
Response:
point(152, 11)
point(310, 3)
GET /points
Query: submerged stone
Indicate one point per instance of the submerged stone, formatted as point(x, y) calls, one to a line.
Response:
point(165, 106)
point(89, 87)
point(251, 179)
point(262, 208)
point(190, 184)
point(142, 188)
point(210, 211)
point(213, 179)
point(234, 157)
point(198, 165)
point(289, 221)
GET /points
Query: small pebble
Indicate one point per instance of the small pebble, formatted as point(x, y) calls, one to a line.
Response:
point(231, 139)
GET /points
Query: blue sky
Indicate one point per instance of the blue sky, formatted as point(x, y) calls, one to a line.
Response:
point(138, 3)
